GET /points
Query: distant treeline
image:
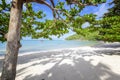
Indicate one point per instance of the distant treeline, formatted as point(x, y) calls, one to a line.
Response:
point(90, 36)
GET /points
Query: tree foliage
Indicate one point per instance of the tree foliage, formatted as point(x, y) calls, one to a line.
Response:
point(4, 19)
point(31, 26)
point(107, 28)
point(110, 24)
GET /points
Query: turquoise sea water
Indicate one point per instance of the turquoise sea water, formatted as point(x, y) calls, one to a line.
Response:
point(45, 45)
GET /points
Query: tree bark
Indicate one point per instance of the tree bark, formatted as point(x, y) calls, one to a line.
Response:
point(13, 41)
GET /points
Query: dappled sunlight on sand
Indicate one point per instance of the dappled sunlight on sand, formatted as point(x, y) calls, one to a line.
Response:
point(73, 64)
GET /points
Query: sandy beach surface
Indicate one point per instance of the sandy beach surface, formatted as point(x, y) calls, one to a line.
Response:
point(83, 63)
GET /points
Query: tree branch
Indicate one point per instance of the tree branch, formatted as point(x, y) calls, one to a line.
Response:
point(54, 10)
point(2, 33)
point(53, 5)
point(80, 3)
point(41, 2)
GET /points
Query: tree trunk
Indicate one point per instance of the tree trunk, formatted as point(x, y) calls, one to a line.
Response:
point(13, 41)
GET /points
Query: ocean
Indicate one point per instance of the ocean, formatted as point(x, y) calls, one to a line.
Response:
point(46, 45)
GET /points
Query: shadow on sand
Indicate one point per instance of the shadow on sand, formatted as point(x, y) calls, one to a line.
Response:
point(108, 45)
point(62, 65)
point(66, 65)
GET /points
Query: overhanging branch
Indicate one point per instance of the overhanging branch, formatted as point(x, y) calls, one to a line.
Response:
point(2, 33)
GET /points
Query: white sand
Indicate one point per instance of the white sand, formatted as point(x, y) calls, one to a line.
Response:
point(69, 64)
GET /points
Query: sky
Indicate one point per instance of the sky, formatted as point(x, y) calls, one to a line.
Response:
point(98, 10)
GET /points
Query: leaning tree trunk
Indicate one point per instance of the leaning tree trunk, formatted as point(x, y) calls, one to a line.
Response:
point(13, 44)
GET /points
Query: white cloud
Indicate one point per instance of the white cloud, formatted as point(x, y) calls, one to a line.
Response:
point(102, 9)
point(8, 1)
point(86, 24)
point(24, 8)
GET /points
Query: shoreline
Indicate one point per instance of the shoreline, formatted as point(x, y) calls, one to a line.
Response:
point(53, 46)
point(100, 48)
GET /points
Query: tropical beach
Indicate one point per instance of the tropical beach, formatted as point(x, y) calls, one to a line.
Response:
point(98, 62)
point(59, 39)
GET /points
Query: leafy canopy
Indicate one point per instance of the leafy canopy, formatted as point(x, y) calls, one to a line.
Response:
point(64, 18)
point(110, 24)
point(107, 28)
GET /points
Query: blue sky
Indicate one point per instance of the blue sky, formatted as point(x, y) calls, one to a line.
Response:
point(99, 11)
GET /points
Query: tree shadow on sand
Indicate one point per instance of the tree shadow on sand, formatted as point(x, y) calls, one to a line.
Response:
point(108, 48)
point(108, 45)
point(66, 66)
